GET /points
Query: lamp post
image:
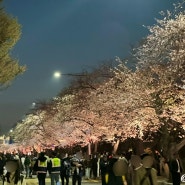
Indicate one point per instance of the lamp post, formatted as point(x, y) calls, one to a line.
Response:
point(10, 137)
point(58, 74)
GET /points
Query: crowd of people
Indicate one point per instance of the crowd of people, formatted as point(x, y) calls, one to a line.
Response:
point(122, 169)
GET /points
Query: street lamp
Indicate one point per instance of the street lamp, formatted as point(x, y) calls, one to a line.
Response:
point(57, 74)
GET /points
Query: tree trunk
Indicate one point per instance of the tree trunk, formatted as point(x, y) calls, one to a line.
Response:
point(89, 148)
point(95, 147)
point(175, 147)
point(139, 147)
point(115, 148)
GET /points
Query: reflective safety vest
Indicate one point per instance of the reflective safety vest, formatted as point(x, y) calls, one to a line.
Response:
point(55, 165)
point(42, 166)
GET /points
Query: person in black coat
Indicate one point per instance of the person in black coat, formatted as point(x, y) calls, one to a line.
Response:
point(77, 171)
point(111, 178)
point(104, 169)
point(65, 170)
point(94, 167)
point(175, 169)
point(2, 164)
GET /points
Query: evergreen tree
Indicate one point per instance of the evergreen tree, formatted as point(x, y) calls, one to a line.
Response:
point(10, 32)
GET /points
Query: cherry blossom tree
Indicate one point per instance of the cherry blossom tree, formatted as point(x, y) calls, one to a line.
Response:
point(163, 54)
point(126, 104)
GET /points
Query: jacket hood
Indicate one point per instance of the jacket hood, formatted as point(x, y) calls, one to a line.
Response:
point(42, 158)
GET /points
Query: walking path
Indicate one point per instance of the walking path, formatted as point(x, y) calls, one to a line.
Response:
point(34, 181)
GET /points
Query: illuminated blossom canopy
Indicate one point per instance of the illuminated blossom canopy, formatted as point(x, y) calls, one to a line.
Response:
point(123, 105)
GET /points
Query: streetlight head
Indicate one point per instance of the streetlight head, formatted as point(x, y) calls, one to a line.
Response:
point(57, 74)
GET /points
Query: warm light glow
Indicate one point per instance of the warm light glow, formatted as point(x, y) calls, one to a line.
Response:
point(57, 74)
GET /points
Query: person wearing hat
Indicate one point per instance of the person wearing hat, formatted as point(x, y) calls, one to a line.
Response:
point(146, 174)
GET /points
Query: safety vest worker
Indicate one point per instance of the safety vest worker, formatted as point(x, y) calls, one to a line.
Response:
point(55, 165)
point(41, 164)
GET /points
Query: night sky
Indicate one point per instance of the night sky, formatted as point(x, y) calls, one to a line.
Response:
point(69, 36)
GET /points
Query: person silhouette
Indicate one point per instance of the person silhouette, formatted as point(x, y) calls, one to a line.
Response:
point(146, 174)
point(175, 169)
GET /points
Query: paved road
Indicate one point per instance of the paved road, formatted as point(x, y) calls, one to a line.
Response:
point(33, 181)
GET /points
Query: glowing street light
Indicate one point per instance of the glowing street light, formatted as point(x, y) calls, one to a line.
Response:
point(57, 74)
